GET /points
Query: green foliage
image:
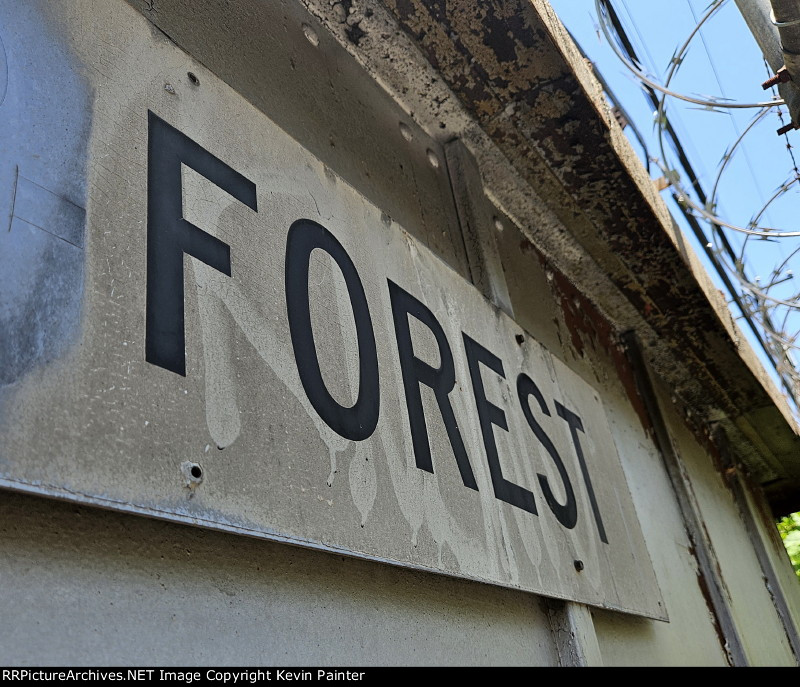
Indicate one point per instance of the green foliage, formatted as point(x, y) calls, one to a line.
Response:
point(789, 528)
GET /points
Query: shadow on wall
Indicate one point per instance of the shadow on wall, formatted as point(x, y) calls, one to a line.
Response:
point(44, 128)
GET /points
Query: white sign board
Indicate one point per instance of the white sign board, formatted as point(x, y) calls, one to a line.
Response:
point(261, 350)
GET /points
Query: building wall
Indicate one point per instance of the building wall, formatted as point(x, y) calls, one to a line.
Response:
point(84, 585)
point(763, 636)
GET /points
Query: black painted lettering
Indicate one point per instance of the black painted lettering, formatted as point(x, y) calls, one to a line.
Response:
point(441, 381)
point(566, 513)
point(575, 425)
point(169, 236)
point(489, 415)
point(359, 421)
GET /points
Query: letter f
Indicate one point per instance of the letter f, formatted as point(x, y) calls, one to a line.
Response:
point(169, 236)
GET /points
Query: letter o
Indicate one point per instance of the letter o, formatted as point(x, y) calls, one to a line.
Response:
point(359, 421)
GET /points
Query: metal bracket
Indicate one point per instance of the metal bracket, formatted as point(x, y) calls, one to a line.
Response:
point(478, 224)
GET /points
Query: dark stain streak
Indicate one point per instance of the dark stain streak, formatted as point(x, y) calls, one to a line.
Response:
point(587, 326)
point(585, 323)
point(702, 583)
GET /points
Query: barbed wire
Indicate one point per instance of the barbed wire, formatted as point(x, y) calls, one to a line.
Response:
point(710, 102)
point(765, 301)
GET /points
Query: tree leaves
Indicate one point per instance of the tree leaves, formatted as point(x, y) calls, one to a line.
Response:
point(789, 529)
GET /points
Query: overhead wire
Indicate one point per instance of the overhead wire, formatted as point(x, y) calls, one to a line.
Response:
point(732, 120)
point(710, 103)
point(754, 303)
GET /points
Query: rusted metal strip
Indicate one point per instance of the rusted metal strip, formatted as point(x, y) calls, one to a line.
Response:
point(709, 574)
point(735, 481)
point(513, 68)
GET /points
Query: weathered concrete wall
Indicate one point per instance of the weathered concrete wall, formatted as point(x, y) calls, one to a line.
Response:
point(85, 586)
point(764, 638)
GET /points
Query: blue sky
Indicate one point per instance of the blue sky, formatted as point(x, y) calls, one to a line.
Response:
point(722, 60)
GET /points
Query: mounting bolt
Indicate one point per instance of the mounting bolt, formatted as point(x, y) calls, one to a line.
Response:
point(782, 76)
point(785, 129)
point(578, 565)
